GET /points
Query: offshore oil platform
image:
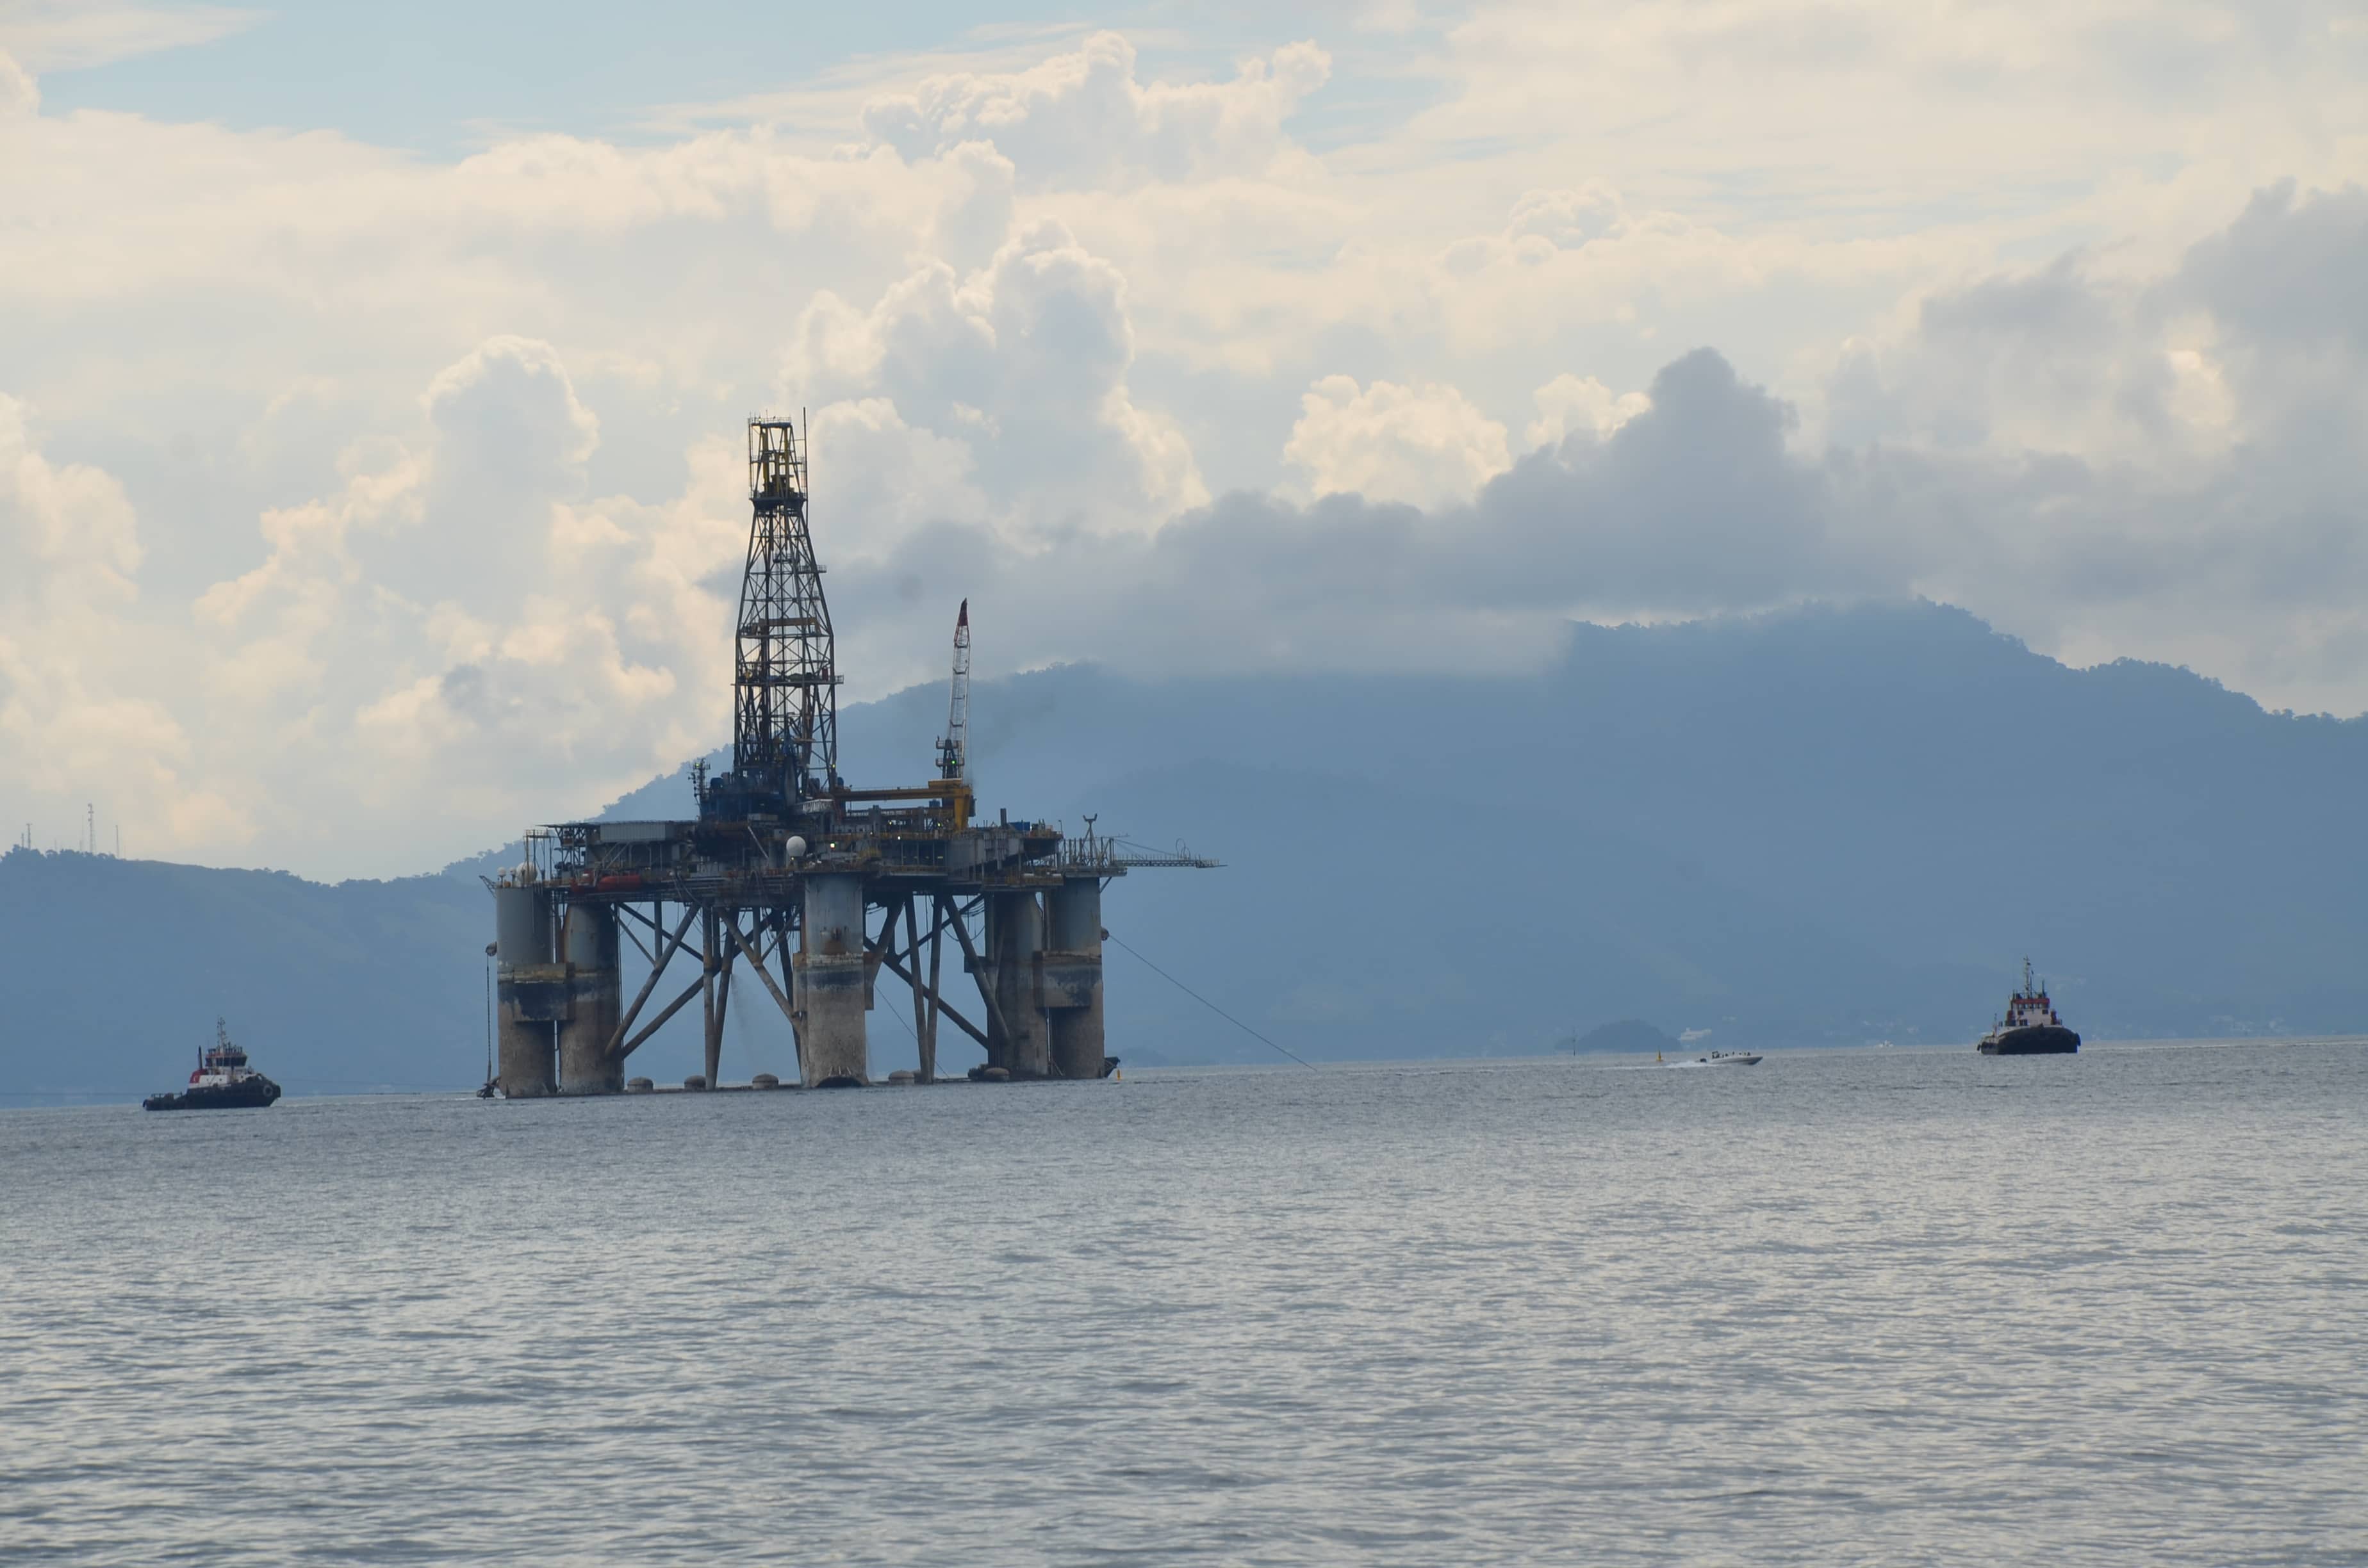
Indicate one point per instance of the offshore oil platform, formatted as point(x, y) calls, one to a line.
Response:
point(807, 885)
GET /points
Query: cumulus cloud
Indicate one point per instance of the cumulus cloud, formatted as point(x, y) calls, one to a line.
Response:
point(69, 524)
point(879, 480)
point(20, 95)
point(1581, 405)
point(1083, 120)
point(1426, 444)
point(1022, 367)
point(2043, 463)
point(361, 476)
point(462, 622)
point(2278, 289)
point(1693, 505)
point(1700, 504)
point(2164, 466)
point(2255, 337)
point(975, 214)
point(2050, 360)
point(1568, 219)
point(507, 421)
point(2283, 271)
point(87, 685)
point(1581, 256)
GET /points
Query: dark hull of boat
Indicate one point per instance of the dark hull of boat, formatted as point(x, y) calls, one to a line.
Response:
point(2039, 1040)
point(248, 1094)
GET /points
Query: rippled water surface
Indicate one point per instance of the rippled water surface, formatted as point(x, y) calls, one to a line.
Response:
point(1882, 1307)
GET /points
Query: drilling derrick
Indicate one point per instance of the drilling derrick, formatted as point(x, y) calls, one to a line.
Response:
point(785, 699)
point(794, 889)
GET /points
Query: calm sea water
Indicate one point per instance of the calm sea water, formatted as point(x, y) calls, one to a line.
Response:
point(1859, 1307)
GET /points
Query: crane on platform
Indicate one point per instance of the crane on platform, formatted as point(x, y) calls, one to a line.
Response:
point(953, 750)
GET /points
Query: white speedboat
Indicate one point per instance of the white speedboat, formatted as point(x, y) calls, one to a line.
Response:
point(1730, 1059)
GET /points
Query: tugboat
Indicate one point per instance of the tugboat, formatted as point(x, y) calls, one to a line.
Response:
point(222, 1081)
point(2031, 1027)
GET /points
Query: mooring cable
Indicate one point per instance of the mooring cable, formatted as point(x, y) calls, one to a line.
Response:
point(1215, 1009)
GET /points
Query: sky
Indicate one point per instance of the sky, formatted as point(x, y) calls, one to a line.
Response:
point(373, 379)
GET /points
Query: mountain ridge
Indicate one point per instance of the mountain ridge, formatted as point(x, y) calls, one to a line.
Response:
point(1824, 827)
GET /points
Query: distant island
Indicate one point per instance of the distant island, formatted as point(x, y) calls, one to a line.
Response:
point(1633, 1034)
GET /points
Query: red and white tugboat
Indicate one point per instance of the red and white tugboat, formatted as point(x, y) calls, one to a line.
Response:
point(2031, 1027)
point(222, 1081)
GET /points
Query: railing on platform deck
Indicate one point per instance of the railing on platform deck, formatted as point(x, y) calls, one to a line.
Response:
point(1118, 855)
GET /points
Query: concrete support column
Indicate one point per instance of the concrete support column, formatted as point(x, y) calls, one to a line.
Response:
point(523, 1045)
point(1071, 984)
point(531, 991)
point(711, 943)
point(833, 983)
point(595, 1001)
point(1015, 934)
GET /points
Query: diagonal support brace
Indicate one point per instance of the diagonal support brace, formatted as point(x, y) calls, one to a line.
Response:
point(756, 963)
point(617, 1047)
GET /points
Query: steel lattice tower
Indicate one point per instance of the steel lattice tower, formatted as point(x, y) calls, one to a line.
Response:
point(785, 699)
point(809, 891)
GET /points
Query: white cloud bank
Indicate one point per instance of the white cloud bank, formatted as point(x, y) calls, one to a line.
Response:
point(1424, 445)
point(1084, 120)
point(341, 487)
